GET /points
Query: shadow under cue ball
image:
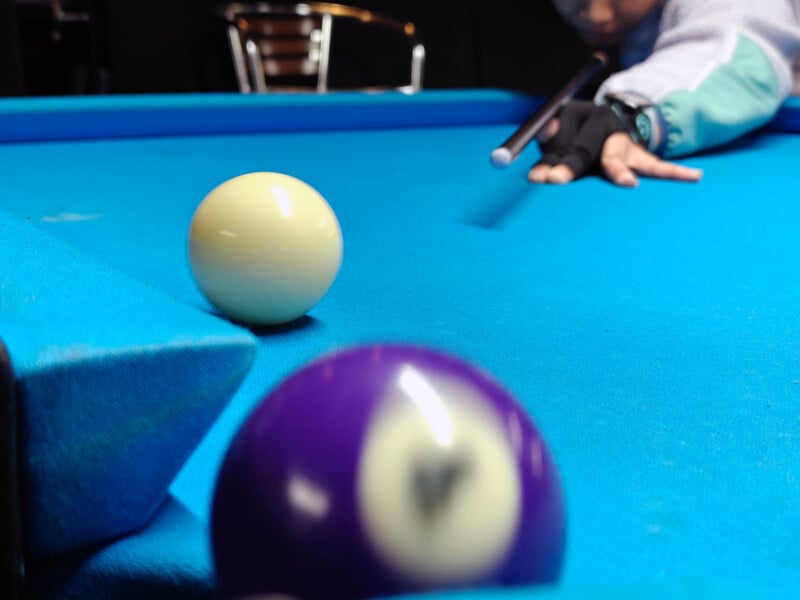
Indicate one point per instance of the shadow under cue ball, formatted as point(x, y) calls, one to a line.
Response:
point(264, 248)
point(386, 469)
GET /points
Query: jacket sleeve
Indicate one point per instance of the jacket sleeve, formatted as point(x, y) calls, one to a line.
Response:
point(718, 69)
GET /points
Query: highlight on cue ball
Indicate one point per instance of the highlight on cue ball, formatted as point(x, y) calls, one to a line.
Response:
point(386, 469)
point(264, 247)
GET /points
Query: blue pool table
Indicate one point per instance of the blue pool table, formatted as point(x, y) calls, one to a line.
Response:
point(652, 334)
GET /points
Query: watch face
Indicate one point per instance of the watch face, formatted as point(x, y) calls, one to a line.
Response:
point(644, 127)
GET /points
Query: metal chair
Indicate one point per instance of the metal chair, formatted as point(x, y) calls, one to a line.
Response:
point(278, 47)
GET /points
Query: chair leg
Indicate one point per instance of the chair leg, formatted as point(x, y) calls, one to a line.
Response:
point(256, 66)
point(325, 52)
point(235, 43)
point(417, 67)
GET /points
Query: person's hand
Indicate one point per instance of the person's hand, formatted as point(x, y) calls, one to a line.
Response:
point(585, 137)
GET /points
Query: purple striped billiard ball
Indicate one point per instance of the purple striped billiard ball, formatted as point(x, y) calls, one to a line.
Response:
point(386, 469)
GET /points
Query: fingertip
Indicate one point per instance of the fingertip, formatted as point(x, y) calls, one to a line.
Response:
point(536, 175)
point(623, 178)
point(559, 178)
point(691, 175)
point(561, 174)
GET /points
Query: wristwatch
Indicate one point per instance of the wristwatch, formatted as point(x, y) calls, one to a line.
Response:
point(641, 118)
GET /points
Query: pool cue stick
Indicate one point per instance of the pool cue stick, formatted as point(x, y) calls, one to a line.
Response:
point(508, 152)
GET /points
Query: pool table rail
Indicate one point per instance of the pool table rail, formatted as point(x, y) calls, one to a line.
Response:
point(131, 116)
point(104, 117)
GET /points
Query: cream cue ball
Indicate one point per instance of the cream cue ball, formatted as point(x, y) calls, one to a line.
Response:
point(264, 248)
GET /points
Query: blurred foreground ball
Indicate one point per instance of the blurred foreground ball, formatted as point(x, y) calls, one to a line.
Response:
point(386, 469)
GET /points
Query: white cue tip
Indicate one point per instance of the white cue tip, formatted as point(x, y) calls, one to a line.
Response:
point(501, 157)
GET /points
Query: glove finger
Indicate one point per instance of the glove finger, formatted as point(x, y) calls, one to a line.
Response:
point(571, 118)
point(584, 153)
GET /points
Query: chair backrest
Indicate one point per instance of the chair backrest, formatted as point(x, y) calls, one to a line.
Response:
point(289, 46)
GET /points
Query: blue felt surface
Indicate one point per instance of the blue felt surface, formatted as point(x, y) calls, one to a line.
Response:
point(117, 384)
point(652, 334)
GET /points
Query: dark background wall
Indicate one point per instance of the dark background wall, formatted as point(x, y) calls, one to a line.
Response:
point(10, 60)
point(152, 46)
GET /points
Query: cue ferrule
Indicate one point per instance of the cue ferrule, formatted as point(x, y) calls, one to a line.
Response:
point(509, 150)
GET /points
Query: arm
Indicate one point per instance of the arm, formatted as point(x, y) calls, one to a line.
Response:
point(719, 69)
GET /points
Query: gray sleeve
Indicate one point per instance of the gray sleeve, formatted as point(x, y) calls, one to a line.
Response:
point(719, 68)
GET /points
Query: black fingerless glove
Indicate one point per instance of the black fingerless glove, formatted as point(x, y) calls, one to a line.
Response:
point(584, 128)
